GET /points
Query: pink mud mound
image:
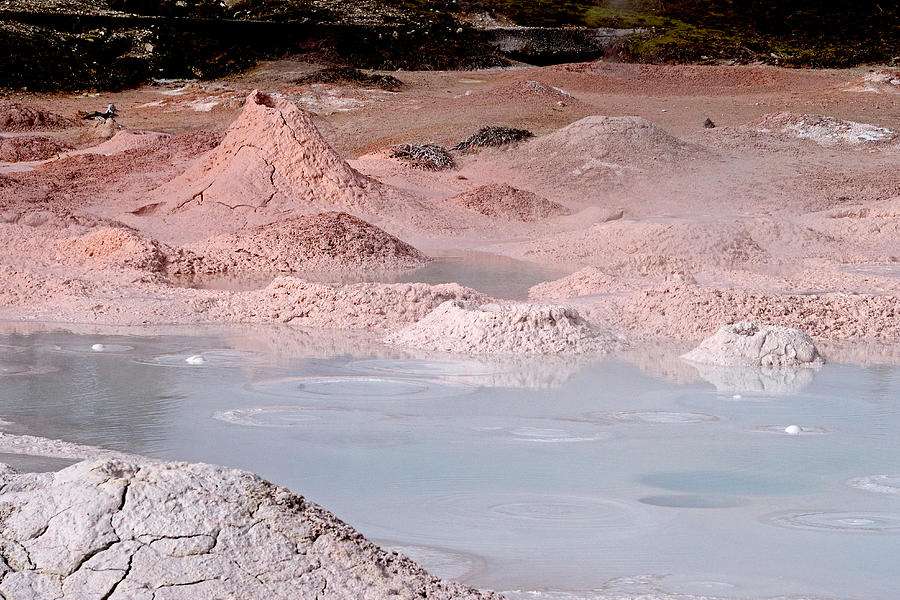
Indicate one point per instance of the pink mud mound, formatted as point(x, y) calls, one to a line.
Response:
point(273, 160)
point(502, 201)
point(20, 117)
point(332, 241)
point(586, 282)
point(111, 246)
point(530, 94)
point(512, 329)
point(610, 140)
point(25, 148)
point(123, 141)
point(376, 306)
point(822, 130)
point(691, 313)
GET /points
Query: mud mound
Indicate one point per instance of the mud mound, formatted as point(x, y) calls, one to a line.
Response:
point(506, 202)
point(376, 306)
point(691, 312)
point(272, 161)
point(823, 130)
point(650, 247)
point(110, 246)
point(465, 327)
point(618, 140)
point(331, 241)
point(586, 282)
point(528, 94)
point(747, 344)
point(125, 140)
point(141, 529)
point(20, 117)
point(24, 148)
point(599, 151)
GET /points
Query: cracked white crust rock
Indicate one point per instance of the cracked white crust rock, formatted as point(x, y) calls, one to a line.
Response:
point(748, 344)
point(115, 529)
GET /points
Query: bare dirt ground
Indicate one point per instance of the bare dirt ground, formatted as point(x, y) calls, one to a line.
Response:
point(787, 212)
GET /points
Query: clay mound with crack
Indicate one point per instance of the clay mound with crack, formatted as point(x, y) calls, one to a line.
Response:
point(272, 162)
point(504, 329)
point(21, 117)
point(506, 202)
point(331, 241)
point(145, 530)
point(30, 147)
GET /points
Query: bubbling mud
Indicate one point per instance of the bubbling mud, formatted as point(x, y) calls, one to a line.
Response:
point(787, 429)
point(211, 358)
point(837, 521)
point(545, 431)
point(291, 416)
point(358, 388)
point(883, 484)
point(428, 368)
point(660, 417)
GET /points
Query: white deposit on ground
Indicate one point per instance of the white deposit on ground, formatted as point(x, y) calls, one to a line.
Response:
point(823, 130)
point(117, 529)
point(515, 329)
point(747, 344)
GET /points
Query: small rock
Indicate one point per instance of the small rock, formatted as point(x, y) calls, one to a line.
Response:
point(708, 123)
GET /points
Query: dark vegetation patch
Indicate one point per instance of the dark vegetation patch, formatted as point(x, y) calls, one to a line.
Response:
point(351, 76)
point(786, 32)
point(428, 157)
point(493, 136)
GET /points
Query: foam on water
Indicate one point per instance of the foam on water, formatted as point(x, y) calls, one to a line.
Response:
point(883, 484)
point(837, 521)
point(359, 387)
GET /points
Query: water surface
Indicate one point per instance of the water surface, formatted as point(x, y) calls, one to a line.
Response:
point(563, 478)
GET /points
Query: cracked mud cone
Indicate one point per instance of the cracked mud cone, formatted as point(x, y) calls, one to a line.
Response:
point(272, 162)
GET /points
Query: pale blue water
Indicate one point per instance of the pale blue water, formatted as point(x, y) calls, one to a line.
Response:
point(604, 480)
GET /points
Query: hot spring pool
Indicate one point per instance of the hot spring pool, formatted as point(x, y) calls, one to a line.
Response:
point(604, 481)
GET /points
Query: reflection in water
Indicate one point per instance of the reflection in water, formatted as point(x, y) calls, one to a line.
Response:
point(542, 474)
point(788, 380)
